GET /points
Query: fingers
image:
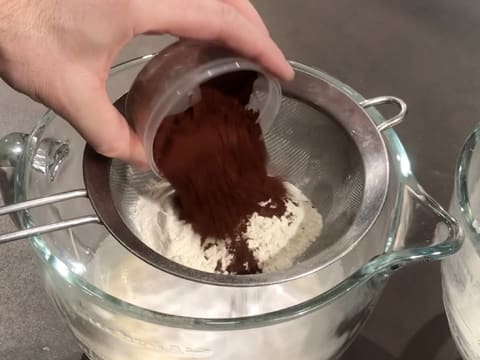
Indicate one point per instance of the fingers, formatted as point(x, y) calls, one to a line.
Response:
point(91, 113)
point(212, 20)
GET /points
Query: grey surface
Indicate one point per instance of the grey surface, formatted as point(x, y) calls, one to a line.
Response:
point(425, 52)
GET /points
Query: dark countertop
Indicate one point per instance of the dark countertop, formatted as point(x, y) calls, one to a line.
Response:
point(425, 52)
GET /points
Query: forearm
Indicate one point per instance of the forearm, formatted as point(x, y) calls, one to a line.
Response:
point(59, 52)
point(22, 19)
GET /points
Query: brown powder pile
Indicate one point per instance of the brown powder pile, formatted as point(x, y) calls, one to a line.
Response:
point(214, 157)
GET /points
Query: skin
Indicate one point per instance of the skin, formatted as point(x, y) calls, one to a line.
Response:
point(59, 52)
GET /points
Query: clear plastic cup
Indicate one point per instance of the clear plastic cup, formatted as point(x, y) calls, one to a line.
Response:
point(169, 84)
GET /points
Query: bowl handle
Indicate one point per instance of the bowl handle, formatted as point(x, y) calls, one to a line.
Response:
point(50, 154)
point(408, 242)
point(420, 231)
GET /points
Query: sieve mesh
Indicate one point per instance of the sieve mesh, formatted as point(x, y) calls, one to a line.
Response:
point(308, 148)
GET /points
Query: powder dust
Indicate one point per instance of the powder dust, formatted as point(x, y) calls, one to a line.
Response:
point(226, 213)
point(214, 157)
point(275, 242)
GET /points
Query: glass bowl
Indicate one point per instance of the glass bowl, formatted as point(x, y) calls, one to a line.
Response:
point(461, 284)
point(116, 316)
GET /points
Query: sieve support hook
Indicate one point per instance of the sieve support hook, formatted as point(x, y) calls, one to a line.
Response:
point(43, 229)
point(381, 100)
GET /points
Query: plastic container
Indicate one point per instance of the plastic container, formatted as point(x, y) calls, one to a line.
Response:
point(169, 84)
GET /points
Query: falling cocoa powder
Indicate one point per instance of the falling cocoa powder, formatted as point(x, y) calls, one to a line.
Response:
point(214, 156)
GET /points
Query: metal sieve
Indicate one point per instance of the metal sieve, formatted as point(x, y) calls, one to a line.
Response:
point(322, 141)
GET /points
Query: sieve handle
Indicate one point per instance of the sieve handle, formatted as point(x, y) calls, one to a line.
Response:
point(43, 229)
point(381, 100)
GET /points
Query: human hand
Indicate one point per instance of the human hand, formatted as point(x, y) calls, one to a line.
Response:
point(59, 53)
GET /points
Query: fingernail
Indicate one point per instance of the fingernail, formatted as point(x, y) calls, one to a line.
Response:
point(140, 165)
point(289, 72)
point(285, 70)
point(139, 159)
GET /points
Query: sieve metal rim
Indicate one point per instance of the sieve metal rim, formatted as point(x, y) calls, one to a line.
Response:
point(366, 135)
point(320, 92)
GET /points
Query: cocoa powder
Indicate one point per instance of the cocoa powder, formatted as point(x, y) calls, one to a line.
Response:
point(214, 156)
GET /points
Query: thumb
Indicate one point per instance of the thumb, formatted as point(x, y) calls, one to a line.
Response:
point(91, 113)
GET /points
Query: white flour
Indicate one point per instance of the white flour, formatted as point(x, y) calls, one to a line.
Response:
point(275, 242)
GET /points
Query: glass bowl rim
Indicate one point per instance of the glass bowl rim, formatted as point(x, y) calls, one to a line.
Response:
point(462, 200)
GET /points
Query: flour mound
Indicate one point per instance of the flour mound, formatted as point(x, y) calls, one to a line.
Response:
point(276, 242)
